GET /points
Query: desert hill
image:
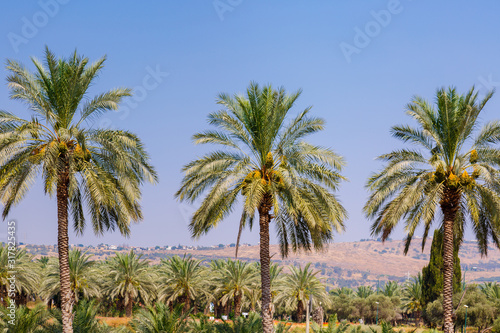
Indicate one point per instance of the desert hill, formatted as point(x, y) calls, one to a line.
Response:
point(367, 262)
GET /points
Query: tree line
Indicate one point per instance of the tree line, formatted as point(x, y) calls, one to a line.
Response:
point(127, 285)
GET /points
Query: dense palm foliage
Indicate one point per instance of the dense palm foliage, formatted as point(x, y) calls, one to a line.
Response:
point(402, 302)
point(24, 320)
point(84, 321)
point(100, 168)
point(129, 278)
point(25, 271)
point(455, 171)
point(491, 290)
point(391, 288)
point(279, 175)
point(83, 277)
point(298, 288)
point(159, 319)
point(183, 280)
point(412, 297)
point(235, 280)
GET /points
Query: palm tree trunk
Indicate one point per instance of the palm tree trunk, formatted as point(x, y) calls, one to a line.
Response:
point(265, 262)
point(63, 246)
point(449, 206)
point(237, 304)
point(129, 306)
point(300, 311)
point(187, 304)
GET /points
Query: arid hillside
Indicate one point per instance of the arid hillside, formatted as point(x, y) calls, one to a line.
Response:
point(350, 264)
point(368, 262)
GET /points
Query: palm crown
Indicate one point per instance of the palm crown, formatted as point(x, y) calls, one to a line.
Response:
point(102, 167)
point(267, 162)
point(454, 165)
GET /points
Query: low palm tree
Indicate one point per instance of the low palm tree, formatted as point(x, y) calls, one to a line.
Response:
point(234, 281)
point(26, 275)
point(43, 261)
point(391, 289)
point(275, 277)
point(412, 297)
point(454, 171)
point(182, 280)
point(84, 277)
point(342, 291)
point(129, 277)
point(202, 325)
point(278, 174)
point(364, 291)
point(25, 320)
point(251, 324)
point(80, 165)
point(491, 290)
point(298, 288)
point(84, 320)
point(160, 319)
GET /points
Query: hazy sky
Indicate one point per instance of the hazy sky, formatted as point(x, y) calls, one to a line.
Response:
point(358, 62)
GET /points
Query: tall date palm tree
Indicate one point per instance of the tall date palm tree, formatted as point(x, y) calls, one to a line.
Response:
point(455, 171)
point(100, 168)
point(278, 174)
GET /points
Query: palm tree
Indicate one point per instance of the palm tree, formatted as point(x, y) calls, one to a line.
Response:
point(85, 320)
point(202, 325)
point(159, 319)
point(26, 274)
point(129, 277)
point(83, 277)
point(455, 171)
point(234, 281)
point(182, 279)
point(299, 287)
point(275, 278)
point(25, 320)
point(412, 297)
point(364, 291)
point(101, 168)
point(43, 261)
point(391, 288)
point(342, 291)
point(491, 290)
point(277, 173)
point(251, 324)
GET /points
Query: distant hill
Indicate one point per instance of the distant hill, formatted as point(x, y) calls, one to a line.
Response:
point(348, 264)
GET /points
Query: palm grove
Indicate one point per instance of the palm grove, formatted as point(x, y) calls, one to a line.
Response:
point(264, 160)
point(176, 295)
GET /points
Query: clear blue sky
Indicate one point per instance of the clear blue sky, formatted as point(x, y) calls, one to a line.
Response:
point(358, 64)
